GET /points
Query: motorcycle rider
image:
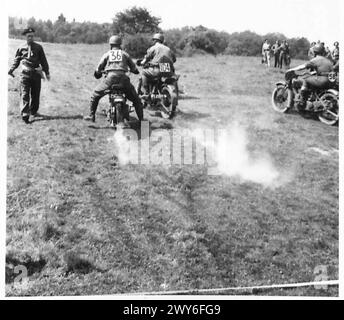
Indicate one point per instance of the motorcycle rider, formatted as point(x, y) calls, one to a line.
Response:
point(115, 63)
point(322, 67)
point(158, 53)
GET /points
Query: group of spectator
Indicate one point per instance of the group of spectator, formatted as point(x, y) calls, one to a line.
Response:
point(279, 50)
point(333, 55)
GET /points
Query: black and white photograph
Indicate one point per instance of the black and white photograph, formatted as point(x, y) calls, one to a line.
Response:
point(171, 148)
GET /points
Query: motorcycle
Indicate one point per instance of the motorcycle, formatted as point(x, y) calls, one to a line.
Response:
point(119, 110)
point(163, 90)
point(324, 103)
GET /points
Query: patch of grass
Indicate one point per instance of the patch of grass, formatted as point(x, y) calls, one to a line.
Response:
point(76, 263)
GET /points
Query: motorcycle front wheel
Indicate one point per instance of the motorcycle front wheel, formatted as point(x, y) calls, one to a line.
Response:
point(330, 115)
point(169, 100)
point(280, 98)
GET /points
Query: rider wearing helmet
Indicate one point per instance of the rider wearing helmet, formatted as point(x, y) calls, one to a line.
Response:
point(158, 53)
point(115, 63)
point(321, 66)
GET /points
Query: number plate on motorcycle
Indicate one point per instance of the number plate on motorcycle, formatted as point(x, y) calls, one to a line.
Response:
point(165, 67)
point(115, 56)
point(332, 77)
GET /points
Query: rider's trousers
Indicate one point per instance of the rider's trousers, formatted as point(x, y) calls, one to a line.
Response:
point(315, 82)
point(147, 76)
point(128, 89)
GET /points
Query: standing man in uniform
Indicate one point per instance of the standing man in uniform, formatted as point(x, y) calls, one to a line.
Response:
point(283, 54)
point(158, 53)
point(276, 51)
point(116, 63)
point(266, 52)
point(32, 58)
point(310, 51)
point(335, 52)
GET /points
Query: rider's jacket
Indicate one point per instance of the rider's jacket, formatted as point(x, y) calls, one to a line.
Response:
point(31, 57)
point(321, 65)
point(159, 53)
point(116, 60)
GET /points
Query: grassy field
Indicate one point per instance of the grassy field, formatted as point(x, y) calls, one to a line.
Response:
point(83, 225)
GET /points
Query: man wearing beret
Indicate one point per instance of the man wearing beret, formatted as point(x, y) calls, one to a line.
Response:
point(32, 59)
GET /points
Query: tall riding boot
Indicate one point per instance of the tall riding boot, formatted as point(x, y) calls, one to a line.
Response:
point(139, 87)
point(302, 101)
point(139, 110)
point(93, 108)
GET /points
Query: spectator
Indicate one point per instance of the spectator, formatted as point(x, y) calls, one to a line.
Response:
point(276, 52)
point(266, 52)
point(335, 52)
point(311, 54)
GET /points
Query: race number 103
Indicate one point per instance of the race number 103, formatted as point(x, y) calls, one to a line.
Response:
point(184, 309)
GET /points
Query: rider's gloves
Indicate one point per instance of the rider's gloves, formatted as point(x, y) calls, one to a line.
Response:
point(97, 74)
point(136, 71)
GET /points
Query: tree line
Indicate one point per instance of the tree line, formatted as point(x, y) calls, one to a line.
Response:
point(136, 25)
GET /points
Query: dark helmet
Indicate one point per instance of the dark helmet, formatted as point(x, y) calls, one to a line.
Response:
point(115, 41)
point(336, 44)
point(319, 49)
point(159, 37)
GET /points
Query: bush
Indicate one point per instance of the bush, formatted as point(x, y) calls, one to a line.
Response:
point(137, 45)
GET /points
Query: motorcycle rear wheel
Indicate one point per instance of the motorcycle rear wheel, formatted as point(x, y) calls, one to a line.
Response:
point(280, 99)
point(331, 115)
point(169, 100)
point(119, 113)
point(112, 116)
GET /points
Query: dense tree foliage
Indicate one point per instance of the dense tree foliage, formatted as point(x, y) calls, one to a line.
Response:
point(136, 26)
point(135, 20)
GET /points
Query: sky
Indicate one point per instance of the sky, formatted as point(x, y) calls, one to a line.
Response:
point(316, 19)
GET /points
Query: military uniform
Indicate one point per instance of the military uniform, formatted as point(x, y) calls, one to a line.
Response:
point(32, 58)
point(335, 54)
point(283, 55)
point(158, 53)
point(323, 67)
point(116, 63)
point(276, 51)
point(311, 54)
point(266, 53)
